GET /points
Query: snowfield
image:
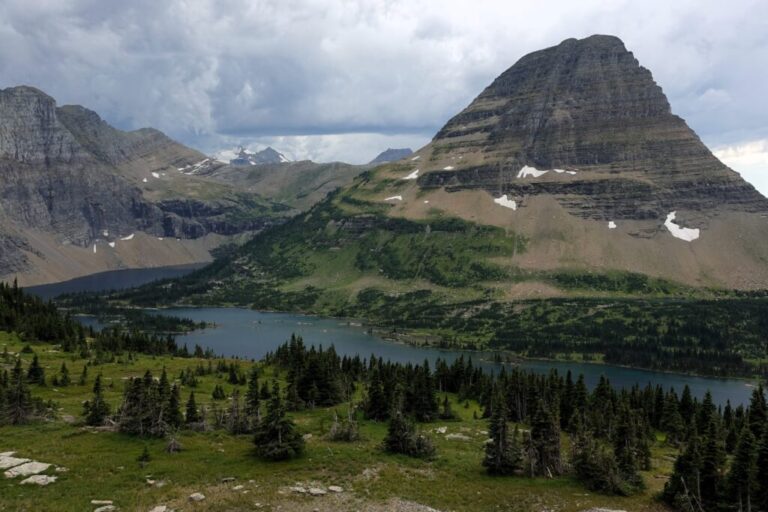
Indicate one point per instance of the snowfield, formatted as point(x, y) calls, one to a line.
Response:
point(534, 172)
point(530, 171)
point(687, 234)
point(611, 225)
point(505, 202)
point(394, 198)
point(412, 176)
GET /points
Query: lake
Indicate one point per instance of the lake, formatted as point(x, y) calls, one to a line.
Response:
point(251, 334)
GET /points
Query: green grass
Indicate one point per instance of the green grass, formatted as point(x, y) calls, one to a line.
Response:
point(102, 464)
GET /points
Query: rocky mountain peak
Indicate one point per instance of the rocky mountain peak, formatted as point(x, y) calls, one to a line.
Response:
point(74, 189)
point(265, 156)
point(30, 130)
point(588, 109)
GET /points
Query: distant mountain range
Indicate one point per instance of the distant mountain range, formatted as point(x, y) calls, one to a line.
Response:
point(79, 196)
point(391, 155)
point(244, 157)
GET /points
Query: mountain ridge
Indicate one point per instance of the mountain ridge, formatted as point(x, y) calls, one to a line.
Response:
point(73, 184)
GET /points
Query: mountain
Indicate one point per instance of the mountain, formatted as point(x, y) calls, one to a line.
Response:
point(265, 156)
point(391, 155)
point(576, 150)
point(568, 176)
point(79, 196)
point(299, 185)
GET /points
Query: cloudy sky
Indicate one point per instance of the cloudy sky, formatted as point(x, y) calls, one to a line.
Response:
point(343, 80)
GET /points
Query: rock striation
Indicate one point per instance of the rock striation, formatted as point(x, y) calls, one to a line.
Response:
point(589, 108)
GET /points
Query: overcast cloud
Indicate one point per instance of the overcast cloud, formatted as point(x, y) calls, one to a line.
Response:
point(343, 80)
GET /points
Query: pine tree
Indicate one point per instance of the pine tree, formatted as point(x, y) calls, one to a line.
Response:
point(175, 418)
point(447, 412)
point(502, 453)
point(18, 400)
point(712, 464)
point(399, 434)
point(422, 401)
point(672, 421)
point(545, 441)
point(97, 409)
point(687, 407)
point(593, 463)
point(403, 438)
point(83, 375)
point(625, 449)
point(218, 393)
point(192, 415)
point(64, 379)
point(758, 412)
point(683, 490)
point(761, 474)
point(36, 373)
point(376, 406)
point(253, 398)
point(743, 472)
point(276, 436)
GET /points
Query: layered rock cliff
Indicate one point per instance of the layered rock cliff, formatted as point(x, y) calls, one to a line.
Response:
point(588, 109)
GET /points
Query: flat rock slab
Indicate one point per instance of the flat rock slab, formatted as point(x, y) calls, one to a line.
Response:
point(106, 508)
point(102, 502)
point(6, 461)
point(335, 488)
point(196, 496)
point(6, 454)
point(29, 468)
point(39, 480)
point(316, 491)
point(457, 437)
point(161, 508)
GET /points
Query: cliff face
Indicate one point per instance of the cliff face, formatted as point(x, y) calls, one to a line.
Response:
point(586, 107)
point(68, 177)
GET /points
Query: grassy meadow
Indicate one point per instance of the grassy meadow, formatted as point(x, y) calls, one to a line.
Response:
point(102, 464)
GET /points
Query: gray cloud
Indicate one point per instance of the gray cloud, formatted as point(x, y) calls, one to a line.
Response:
point(306, 73)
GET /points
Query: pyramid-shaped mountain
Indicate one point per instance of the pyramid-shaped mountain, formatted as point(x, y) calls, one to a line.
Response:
point(588, 108)
point(576, 148)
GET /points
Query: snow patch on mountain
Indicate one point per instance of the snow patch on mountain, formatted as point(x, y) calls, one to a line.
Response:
point(687, 234)
point(505, 202)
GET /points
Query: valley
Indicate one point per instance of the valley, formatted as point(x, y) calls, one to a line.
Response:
point(559, 303)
